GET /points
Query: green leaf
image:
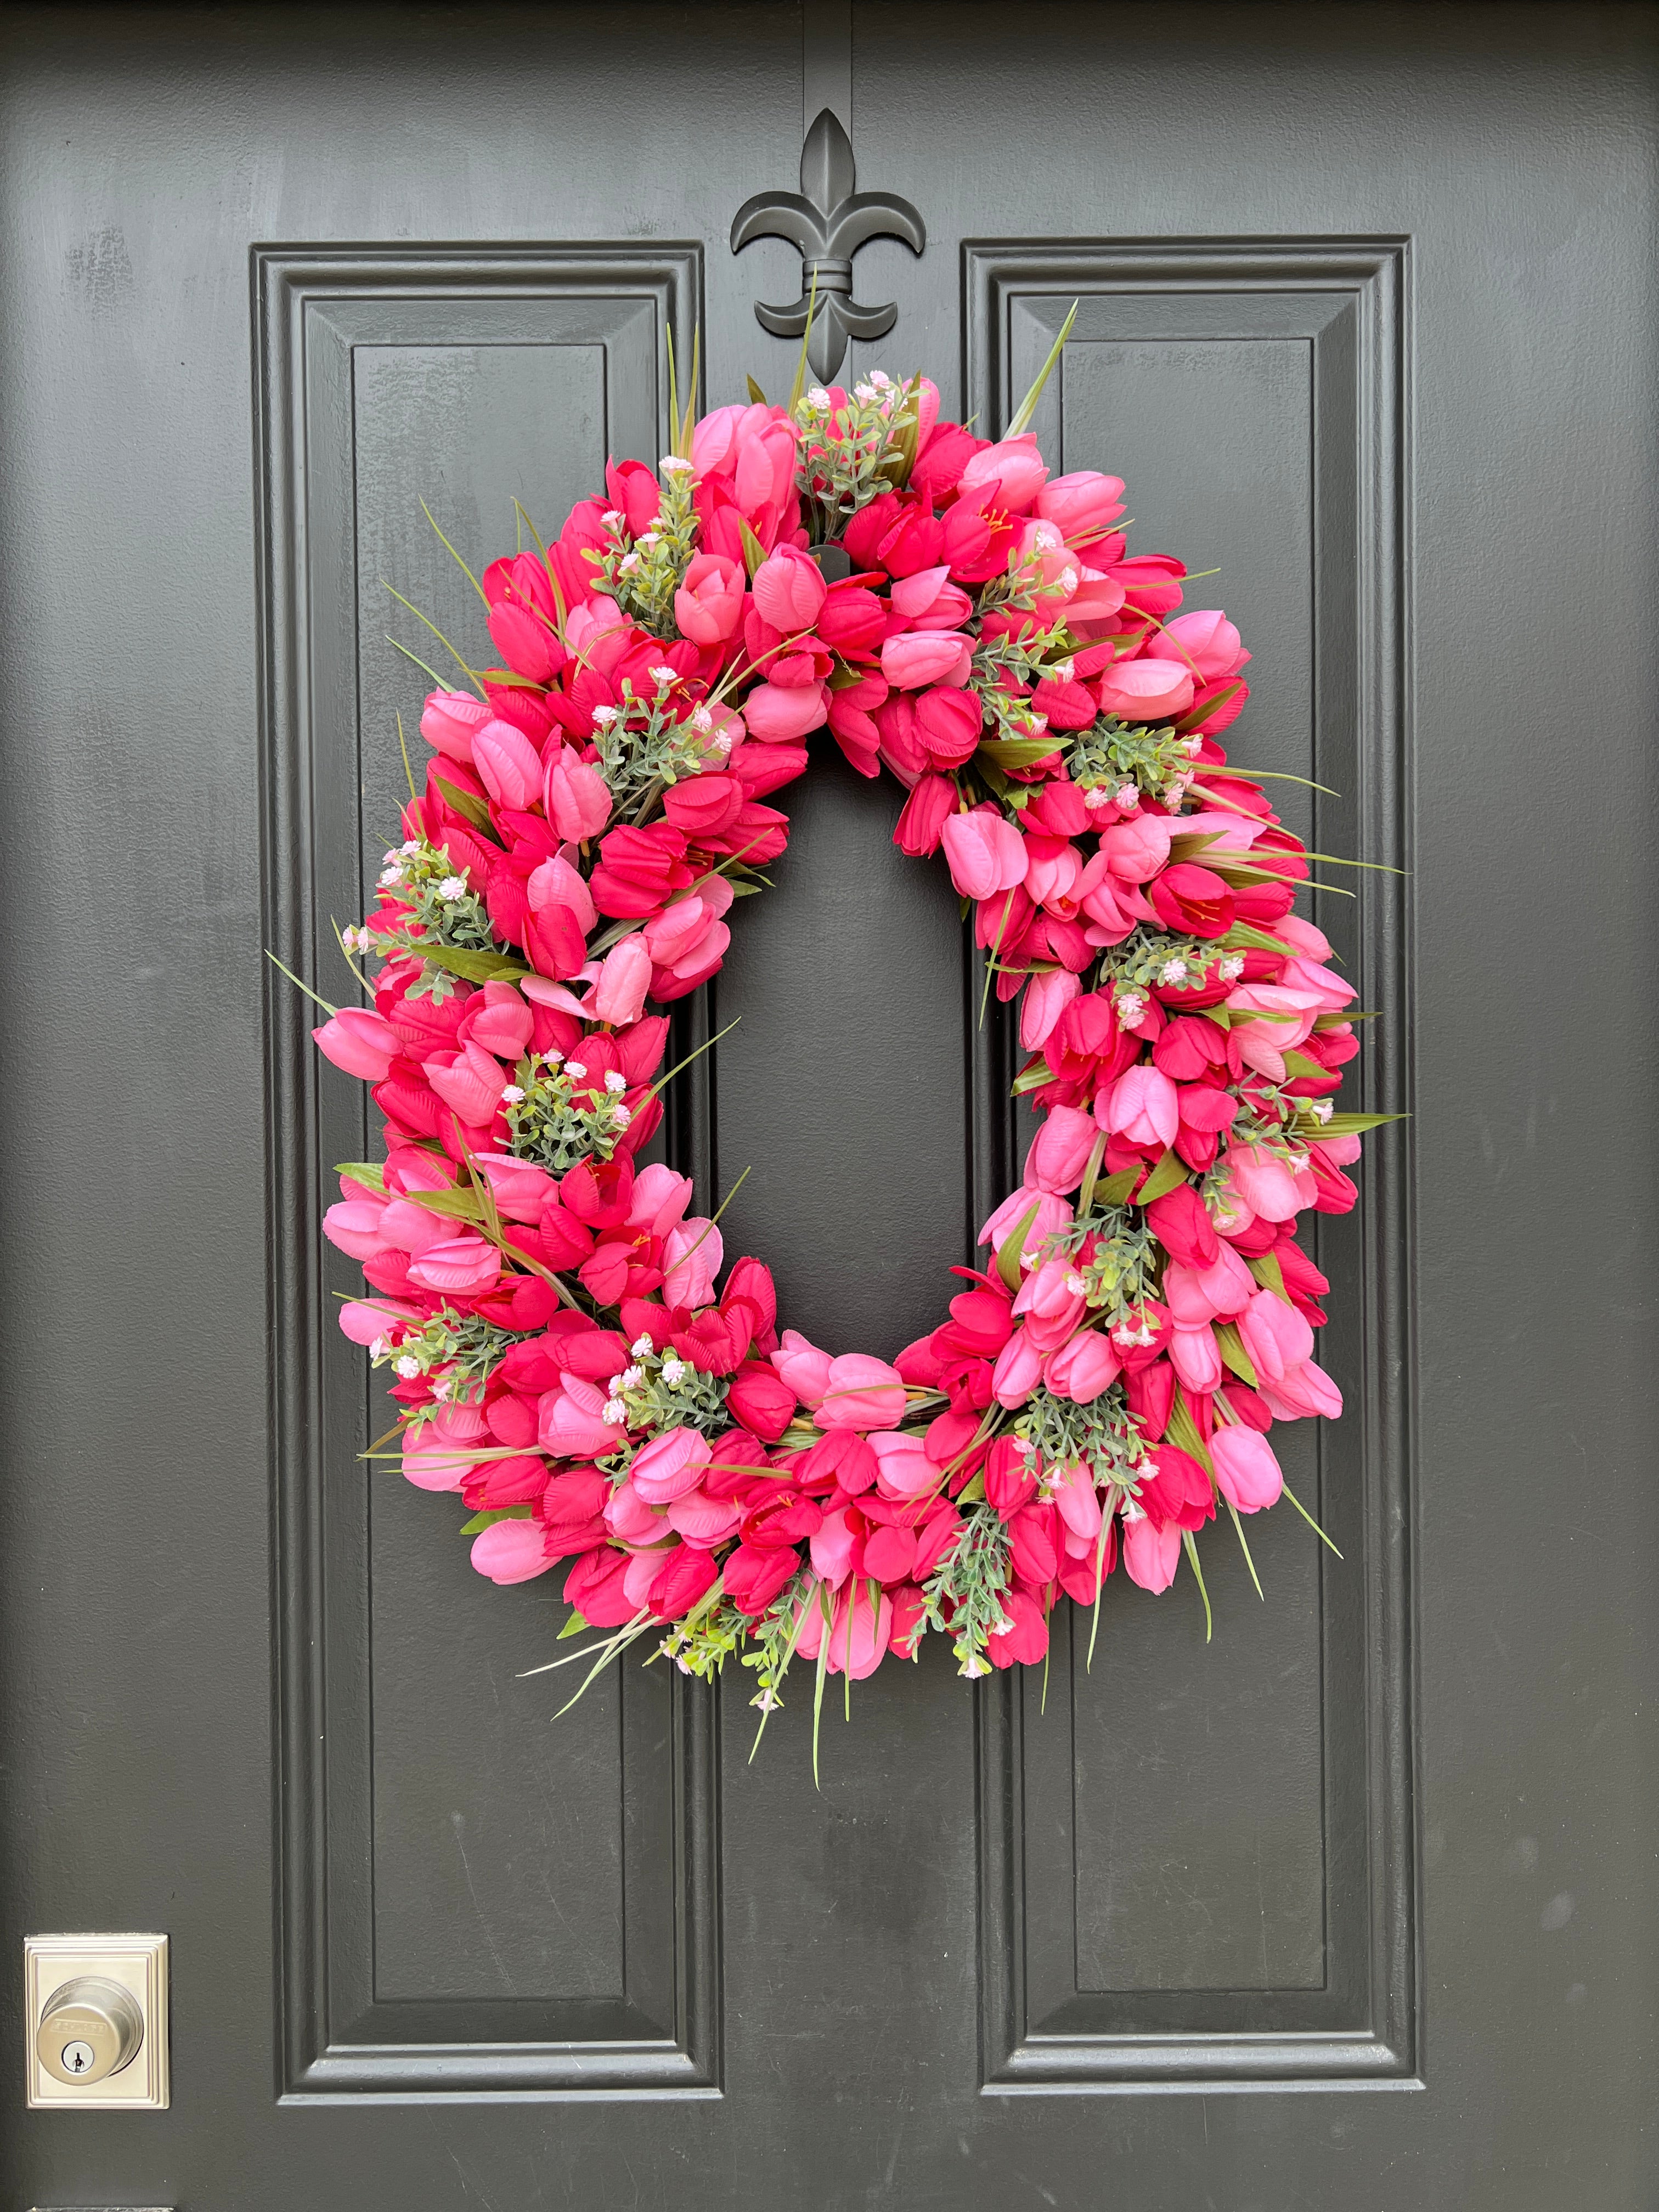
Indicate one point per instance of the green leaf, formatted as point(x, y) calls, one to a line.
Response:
point(1183, 1431)
point(1009, 1257)
point(370, 1173)
point(1230, 1344)
point(1269, 1272)
point(465, 804)
point(458, 1204)
point(972, 1492)
point(574, 1627)
point(1017, 752)
point(1353, 1125)
point(753, 551)
point(1169, 1172)
point(1022, 415)
point(1202, 714)
point(1197, 1574)
point(1092, 1173)
point(1298, 1063)
point(472, 966)
point(491, 1515)
point(1033, 1078)
point(755, 392)
point(1115, 1191)
point(1245, 937)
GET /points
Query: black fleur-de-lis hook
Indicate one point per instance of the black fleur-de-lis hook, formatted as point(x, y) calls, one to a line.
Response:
point(828, 221)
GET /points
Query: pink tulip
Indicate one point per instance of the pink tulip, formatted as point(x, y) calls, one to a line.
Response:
point(1301, 1392)
point(1048, 1213)
point(948, 723)
point(522, 1191)
point(630, 1519)
point(1264, 1186)
point(442, 1451)
point(930, 804)
point(469, 1081)
point(986, 853)
point(1082, 1367)
point(624, 979)
point(1141, 1107)
point(1209, 641)
point(659, 1201)
point(1195, 1359)
point(1275, 1334)
point(691, 1261)
point(1053, 868)
point(1262, 1045)
point(701, 1520)
point(831, 1548)
point(682, 926)
point(862, 1393)
point(510, 765)
point(1246, 1470)
point(574, 796)
point(1015, 465)
point(1047, 997)
point(1018, 1371)
point(497, 1018)
point(902, 1467)
point(359, 1041)
point(513, 1551)
point(928, 600)
point(779, 713)
point(803, 1367)
point(916, 657)
point(1024, 1638)
point(1078, 1499)
point(1082, 503)
point(670, 1466)
point(1151, 1555)
point(357, 1228)
point(789, 590)
point(451, 720)
point(554, 882)
point(1137, 850)
point(571, 1423)
point(708, 605)
point(856, 1638)
point(367, 1323)
point(1059, 1151)
point(1146, 690)
point(458, 1267)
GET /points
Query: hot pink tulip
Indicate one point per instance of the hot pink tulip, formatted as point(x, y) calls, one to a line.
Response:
point(789, 590)
point(1024, 1638)
point(1245, 1469)
point(512, 1551)
point(930, 804)
point(575, 796)
point(357, 1040)
point(986, 853)
point(1141, 1107)
point(1146, 690)
point(916, 657)
point(862, 1393)
point(1151, 1554)
point(510, 765)
point(779, 713)
point(670, 1466)
point(948, 724)
point(708, 605)
point(624, 979)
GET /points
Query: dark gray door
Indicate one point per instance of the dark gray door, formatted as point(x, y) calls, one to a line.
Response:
point(1354, 1907)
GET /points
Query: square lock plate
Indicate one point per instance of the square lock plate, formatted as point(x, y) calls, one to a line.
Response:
point(138, 1965)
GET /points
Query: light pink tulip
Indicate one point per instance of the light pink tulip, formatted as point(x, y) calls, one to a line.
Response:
point(1275, 1334)
point(1194, 1357)
point(985, 852)
point(856, 1639)
point(1263, 1045)
point(1018, 1371)
point(442, 1451)
point(510, 765)
point(575, 796)
point(1046, 999)
point(1146, 690)
point(789, 590)
point(1136, 850)
point(862, 1393)
point(1082, 503)
point(1059, 1151)
point(661, 1198)
point(512, 1551)
point(1015, 465)
point(365, 1322)
point(1209, 641)
point(497, 1018)
point(779, 713)
point(691, 1261)
point(703, 1521)
point(556, 883)
point(522, 1191)
point(458, 1267)
point(1264, 1186)
point(451, 720)
point(928, 600)
point(1142, 1107)
point(803, 1367)
point(359, 1041)
point(1082, 1367)
point(902, 1467)
point(1246, 1472)
point(630, 1519)
point(1151, 1555)
point(831, 1548)
point(571, 1423)
point(624, 979)
point(670, 1466)
point(915, 658)
point(1049, 1214)
point(1301, 1392)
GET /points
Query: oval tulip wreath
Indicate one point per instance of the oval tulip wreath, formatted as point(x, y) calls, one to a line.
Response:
point(567, 1354)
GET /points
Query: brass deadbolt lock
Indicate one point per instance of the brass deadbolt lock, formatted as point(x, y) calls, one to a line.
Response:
point(91, 2028)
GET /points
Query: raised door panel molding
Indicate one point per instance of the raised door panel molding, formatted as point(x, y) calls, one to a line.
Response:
point(475, 1903)
point(1197, 1864)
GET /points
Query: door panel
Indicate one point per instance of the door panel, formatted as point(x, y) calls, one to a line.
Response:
point(1366, 323)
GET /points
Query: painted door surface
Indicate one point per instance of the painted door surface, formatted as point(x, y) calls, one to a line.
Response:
point(1365, 321)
